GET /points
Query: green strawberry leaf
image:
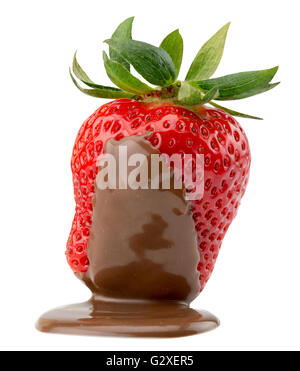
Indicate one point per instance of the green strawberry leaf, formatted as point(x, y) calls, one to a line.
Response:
point(102, 91)
point(241, 85)
point(82, 76)
point(190, 94)
point(250, 93)
point(209, 56)
point(78, 71)
point(173, 45)
point(210, 95)
point(153, 63)
point(235, 113)
point(120, 76)
point(123, 32)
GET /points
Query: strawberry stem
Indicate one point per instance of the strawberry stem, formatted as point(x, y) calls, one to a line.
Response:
point(160, 66)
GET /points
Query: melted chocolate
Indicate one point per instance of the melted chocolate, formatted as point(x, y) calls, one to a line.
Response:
point(143, 258)
point(124, 318)
point(143, 243)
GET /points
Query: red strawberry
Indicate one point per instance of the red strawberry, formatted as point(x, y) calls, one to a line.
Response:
point(175, 130)
point(180, 123)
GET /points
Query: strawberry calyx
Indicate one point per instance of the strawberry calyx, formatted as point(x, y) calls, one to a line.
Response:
point(160, 67)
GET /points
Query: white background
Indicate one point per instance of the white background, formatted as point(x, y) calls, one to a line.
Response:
point(255, 287)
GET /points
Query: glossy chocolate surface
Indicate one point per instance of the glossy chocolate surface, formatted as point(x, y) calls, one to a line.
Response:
point(143, 243)
point(98, 317)
point(143, 258)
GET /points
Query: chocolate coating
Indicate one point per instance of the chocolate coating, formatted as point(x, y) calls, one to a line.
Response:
point(143, 243)
point(143, 258)
point(134, 319)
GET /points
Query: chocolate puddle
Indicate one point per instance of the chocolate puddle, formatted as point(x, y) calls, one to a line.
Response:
point(143, 258)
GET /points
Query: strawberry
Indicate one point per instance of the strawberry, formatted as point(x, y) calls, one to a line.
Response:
point(176, 115)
